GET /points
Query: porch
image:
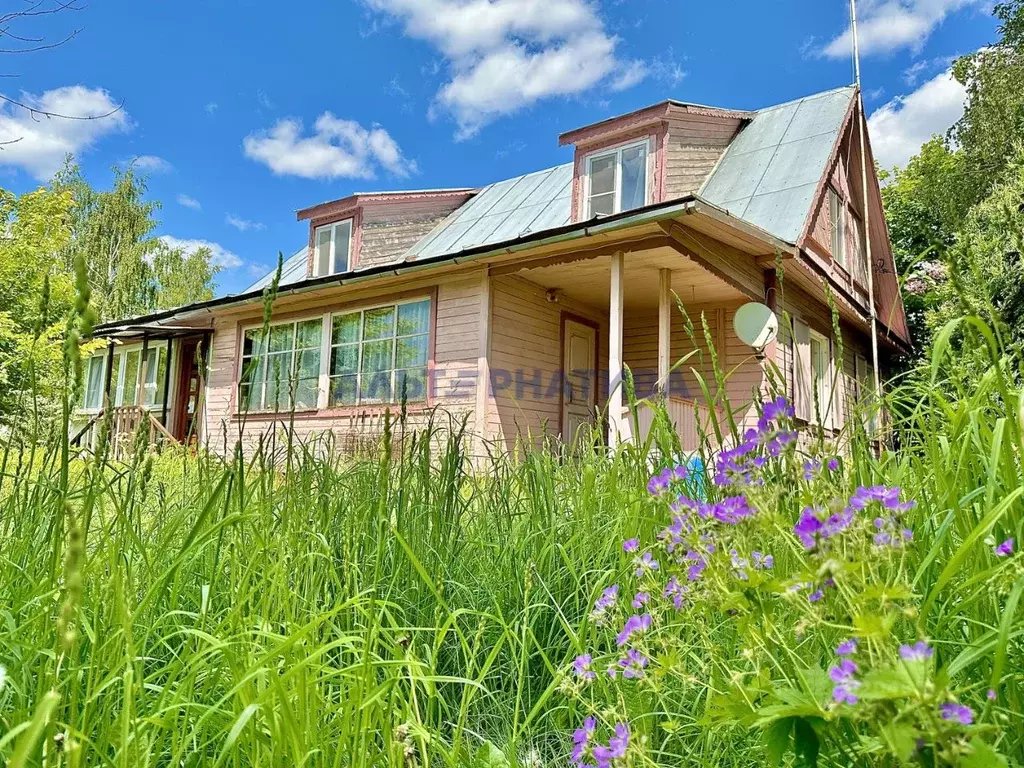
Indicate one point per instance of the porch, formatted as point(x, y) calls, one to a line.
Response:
point(147, 384)
point(563, 330)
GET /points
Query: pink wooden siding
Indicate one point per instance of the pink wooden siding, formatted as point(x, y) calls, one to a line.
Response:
point(526, 347)
point(695, 143)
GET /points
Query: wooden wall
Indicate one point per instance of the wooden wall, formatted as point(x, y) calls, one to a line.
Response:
point(695, 144)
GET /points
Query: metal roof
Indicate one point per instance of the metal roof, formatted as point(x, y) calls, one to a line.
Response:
point(502, 211)
point(292, 271)
point(768, 174)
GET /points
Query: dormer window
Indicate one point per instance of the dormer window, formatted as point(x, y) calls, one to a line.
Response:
point(617, 179)
point(332, 244)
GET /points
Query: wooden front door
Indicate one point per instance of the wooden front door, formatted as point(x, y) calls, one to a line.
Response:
point(190, 386)
point(579, 364)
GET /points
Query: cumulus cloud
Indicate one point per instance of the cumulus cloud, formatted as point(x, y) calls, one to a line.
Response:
point(151, 164)
point(38, 144)
point(187, 201)
point(899, 128)
point(504, 55)
point(888, 25)
point(337, 148)
point(243, 225)
point(219, 255)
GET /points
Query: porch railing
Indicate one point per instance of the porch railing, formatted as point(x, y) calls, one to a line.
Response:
point(690, 418)
point(125, 422)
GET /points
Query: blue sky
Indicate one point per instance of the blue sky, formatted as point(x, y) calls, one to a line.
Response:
point(243, 112)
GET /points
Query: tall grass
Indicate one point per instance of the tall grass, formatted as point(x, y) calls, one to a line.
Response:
point(400, 609)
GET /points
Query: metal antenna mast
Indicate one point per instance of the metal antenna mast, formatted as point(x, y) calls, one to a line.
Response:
point(861, 121)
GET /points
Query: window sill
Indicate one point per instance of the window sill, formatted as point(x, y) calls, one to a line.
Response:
point(328, 413)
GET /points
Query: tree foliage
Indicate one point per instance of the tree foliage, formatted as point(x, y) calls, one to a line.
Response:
point(954, 211)
point(130, 272)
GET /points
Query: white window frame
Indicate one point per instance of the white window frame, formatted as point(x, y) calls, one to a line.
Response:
point(617, 152)
point(333, 260)
point(837, 229)
point(117, 391)
point(326, 336)
point(242, 408)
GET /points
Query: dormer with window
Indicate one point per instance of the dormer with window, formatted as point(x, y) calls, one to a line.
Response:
point(373, 228)
point(655, 154)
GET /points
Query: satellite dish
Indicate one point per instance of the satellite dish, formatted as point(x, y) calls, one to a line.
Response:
point(756, 325)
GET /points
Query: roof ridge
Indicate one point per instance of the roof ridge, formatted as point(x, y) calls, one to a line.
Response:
point(808, 97)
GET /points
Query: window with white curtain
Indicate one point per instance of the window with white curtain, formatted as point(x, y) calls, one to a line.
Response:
point(281, 366)
point(332, 248)
point(617, 180)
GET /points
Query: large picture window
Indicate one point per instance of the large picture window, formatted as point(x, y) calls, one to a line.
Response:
point(281, 367)
point(617, 180)
point(124, 378)
point(379, 355)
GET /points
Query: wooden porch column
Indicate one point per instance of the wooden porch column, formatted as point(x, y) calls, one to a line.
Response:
point(664, 329)
point(141, 384)
point(109, 374)
point(167, 384)
point(618, 424)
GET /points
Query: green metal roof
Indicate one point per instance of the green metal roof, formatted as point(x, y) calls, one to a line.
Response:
point(768, 174)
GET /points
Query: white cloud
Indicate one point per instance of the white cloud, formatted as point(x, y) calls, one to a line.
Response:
point(188, 201)
point(336, 149)
point(504, 55)
point(38, 143)
point(899, 128)
point(151, 164)
point(888, 25)
point(243, 225)
point(219, 255)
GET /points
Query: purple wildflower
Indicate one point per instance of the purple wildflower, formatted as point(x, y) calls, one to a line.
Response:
point(991, 694)
point(646, 564)
point(957, 713)
point(581, 740)
point(808, 528)
point(676, 591)
point(919, 651)
point(730, 510)
point(616, 749)
point(847, 647)
point(634, 623)
point(630, 545)
point(640, 600)
point(833, 464)
point(699, 564)
point(662, 481)
point(762, 561)
point(633, 664)
point(604, 603)
point(846, 686)
point(582, 667)
point(816, 595)
point(811, 469)
point(1005, 549)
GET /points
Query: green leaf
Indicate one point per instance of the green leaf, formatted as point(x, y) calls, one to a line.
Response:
point(777, 738)
point(982, 756)
point(886, 684)
point(489, 756)
point(901, 739)
point(806, 744)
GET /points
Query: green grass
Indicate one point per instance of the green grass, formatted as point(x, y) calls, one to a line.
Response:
point(400, 610)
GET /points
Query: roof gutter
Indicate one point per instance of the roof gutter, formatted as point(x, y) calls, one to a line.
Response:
point(567, 233)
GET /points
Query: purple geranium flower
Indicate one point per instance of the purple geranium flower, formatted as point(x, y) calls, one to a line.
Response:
point(833, 464)
point(582, 667)
point(581, 740)
point(676, 591)
point(616, 749)
point(842, 675)
point(633, 664)
point(957, 713)
point(646, 564)
point(919, 651)
point(847, 647)
point(640, 600)
point(1005, 549)
point(808, 528)
point(630, 545)
point(634, 623)
point(605, 602)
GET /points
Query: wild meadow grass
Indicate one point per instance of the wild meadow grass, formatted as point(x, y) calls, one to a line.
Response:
point(399, 608)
